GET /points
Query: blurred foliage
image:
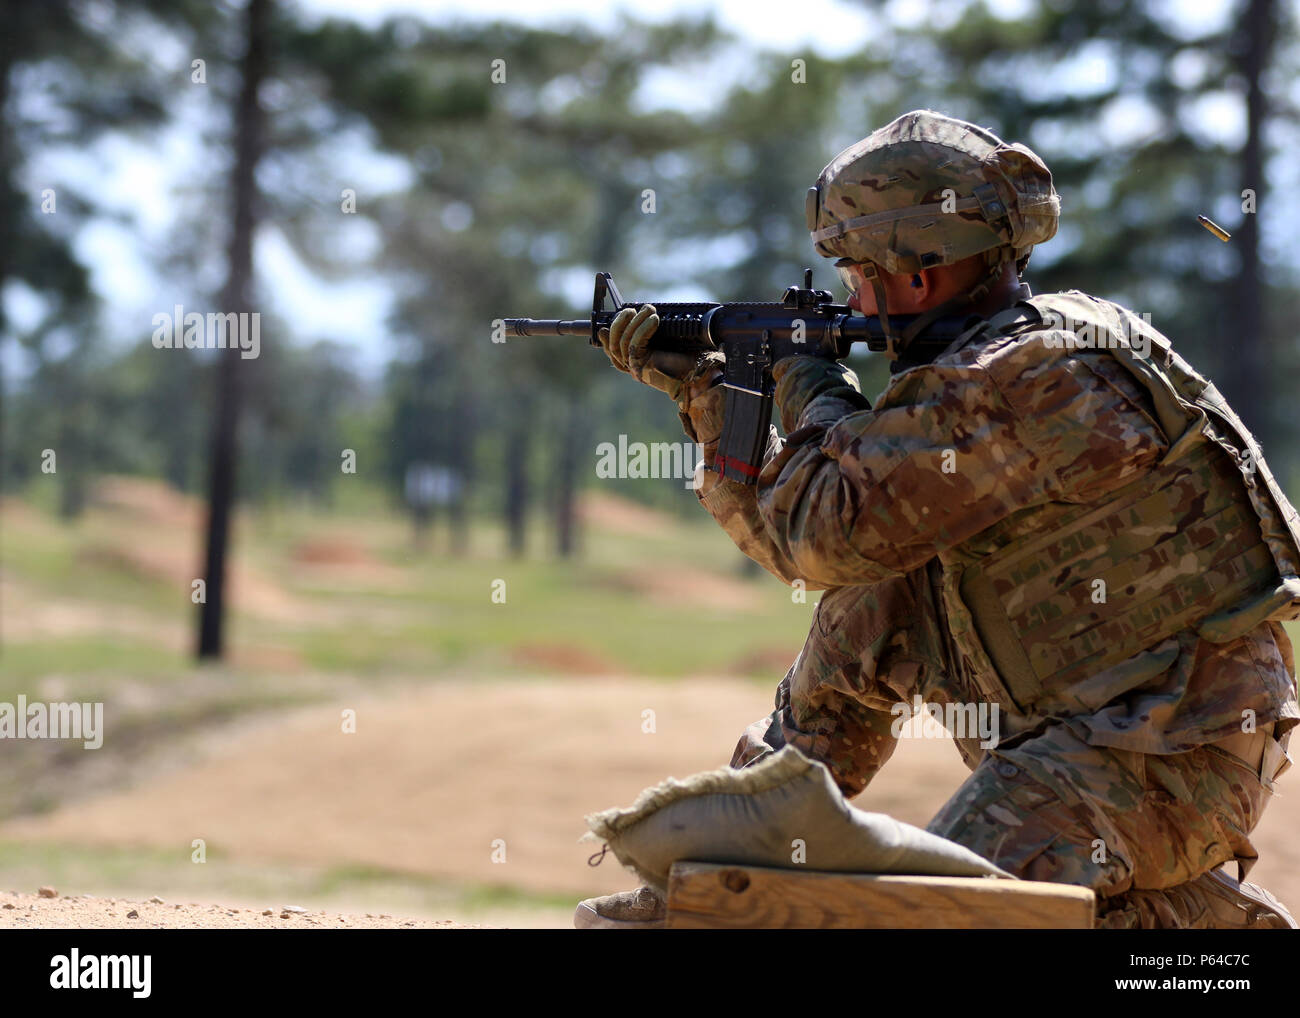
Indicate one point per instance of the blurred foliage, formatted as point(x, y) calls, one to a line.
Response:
point(513, 194)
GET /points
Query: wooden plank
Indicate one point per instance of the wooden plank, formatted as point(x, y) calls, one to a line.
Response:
point(711, 896)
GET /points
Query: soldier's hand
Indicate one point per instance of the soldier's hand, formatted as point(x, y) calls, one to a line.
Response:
point(802, 379)
point(627, 343)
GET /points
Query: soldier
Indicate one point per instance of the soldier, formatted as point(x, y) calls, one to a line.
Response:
point(1056, 515)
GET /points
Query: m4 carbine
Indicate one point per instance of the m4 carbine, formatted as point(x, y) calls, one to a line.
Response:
point(753, 336)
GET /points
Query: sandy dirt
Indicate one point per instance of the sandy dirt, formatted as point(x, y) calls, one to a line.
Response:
point(485, 784)
point(480, 782)
point(622, 515)
point(87, 912)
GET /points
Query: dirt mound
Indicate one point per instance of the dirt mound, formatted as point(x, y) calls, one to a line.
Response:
point(340, 562)
point(19, 516)
point(175, 559)
point(87, 912)
point(563, 658)
point(332, 550)
point(284, 660)
point(148, 500)
point(159, 563)
point(622, 515)
point(38, 618)
point(687, 585)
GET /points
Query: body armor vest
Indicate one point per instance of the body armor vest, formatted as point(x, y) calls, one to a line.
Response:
point(1048, 606)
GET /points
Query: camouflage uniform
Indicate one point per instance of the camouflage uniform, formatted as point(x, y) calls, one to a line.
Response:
point(1134, 786)
point(855, 505)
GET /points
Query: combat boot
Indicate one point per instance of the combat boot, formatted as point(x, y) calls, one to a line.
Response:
point(1235, 905)
point(642, 909)
point(1213, 901)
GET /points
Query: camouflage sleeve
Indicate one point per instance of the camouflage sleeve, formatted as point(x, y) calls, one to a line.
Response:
point(952, 448)
point(735, 505)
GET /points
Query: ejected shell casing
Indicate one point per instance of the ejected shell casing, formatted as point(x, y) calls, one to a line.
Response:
point(1214, 228)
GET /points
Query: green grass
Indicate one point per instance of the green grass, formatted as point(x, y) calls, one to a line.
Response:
point(93, 612)
point(94, 655)
point(451, 621)
point(420, 615)
point(139, 874)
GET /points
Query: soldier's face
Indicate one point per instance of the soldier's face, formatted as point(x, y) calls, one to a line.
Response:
point(856, 279)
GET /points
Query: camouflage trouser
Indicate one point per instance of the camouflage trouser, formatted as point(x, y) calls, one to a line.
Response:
point(1051, 807)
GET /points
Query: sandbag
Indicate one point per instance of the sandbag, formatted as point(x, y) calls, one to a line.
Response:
point(759, 815)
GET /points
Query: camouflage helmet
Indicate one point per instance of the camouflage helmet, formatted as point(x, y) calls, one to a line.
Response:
point(931, 190)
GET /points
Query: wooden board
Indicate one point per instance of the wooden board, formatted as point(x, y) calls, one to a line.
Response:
point(710, 896)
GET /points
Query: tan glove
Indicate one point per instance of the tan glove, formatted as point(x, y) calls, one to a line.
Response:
point(627, 344)
point(700, 404)
point(802, 380)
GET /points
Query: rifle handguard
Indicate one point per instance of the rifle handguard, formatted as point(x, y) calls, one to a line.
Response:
point(752, 337)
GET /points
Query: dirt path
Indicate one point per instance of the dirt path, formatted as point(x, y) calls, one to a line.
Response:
point(480, 784)
point(87, 912)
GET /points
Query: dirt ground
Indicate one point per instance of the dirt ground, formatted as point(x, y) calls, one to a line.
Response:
point(481, 783)
point(478, 782)
point(87, 912)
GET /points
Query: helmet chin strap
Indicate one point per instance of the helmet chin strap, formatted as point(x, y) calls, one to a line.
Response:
point(892, 340)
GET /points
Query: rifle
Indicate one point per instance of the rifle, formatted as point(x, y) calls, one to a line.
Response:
point(753, 336)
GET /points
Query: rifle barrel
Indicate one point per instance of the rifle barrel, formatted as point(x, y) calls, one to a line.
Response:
point(516, 327)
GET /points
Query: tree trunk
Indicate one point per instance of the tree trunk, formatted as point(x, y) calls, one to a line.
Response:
point(1247, 378)
point(566, 481)
point(462, 462)
point(236, 297)
point(517, 491)
point(9, 199)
